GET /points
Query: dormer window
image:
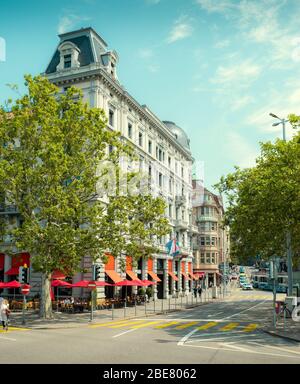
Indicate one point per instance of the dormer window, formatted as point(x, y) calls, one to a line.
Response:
point(67, 61)
point(69, 56)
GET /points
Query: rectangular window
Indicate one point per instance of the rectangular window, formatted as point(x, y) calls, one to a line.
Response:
point(169, 162)
point(202, 258)
point(202, 241)
point(207, 240)
point(150, 147)
point(170, 211)
point(130, 131)
point(67, 61)
point(160, 155)
point(208, 259)
point(202, 226)
point(202, 211)
point(111, 118)
point(213, 259)
point(160, 180)
point(213, 243)
point(140, 139)
point(182, 172)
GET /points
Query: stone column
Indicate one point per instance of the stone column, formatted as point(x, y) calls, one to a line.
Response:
point(166, 279)
point(180, 277)
point(155, 271)
point(186, 281)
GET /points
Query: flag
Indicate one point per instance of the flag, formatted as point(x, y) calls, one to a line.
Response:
point(173, 247)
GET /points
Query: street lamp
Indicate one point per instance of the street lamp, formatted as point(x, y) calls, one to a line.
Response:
point(288, 234)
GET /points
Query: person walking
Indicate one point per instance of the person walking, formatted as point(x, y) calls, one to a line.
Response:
point(199, 291)
point(4, 314)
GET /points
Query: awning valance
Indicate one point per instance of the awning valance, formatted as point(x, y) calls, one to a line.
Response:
point(154, 276)
point(132, 275)
point(116, 278)
point(194, 277)
point(174, 277)
point(185, 275)
point(12, 271)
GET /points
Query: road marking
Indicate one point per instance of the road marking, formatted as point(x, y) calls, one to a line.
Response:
point(186, 337)
point(248, 309)
point(231, 350)
point(14, 329)
point(109, 323)
point(250, 328)
point(123, 333)
point(229, 327)
point(145, 325)
point(273, 347)
point(187, 325)
point(208, 325)
point(215, 314)
point(167, 325)
point(124, 324)
point(7, 338)
point(230, 345)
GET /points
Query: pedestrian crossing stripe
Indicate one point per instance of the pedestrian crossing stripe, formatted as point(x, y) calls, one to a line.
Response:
point(109, 323)
point(146, 324)
point(14, 329)
point(167, 325)
point(250, 327)
point(207, 326)
point(125, 324)
point(187, 325)
point(229, 326)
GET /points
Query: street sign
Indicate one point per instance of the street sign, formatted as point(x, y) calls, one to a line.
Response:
point(25, 289)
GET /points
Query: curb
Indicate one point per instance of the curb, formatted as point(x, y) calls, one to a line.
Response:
point(55, 327)
point(273, 333)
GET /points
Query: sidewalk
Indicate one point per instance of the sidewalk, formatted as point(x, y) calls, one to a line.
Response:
point(289, 330)
point(75, 320)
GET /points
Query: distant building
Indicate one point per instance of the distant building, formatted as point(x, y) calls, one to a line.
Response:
point(211, 246)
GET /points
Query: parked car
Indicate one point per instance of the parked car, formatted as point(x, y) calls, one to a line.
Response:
point(247, 287)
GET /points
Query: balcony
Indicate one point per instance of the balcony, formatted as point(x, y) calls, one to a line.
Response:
point(193, 229)
point(8, 209)
point(206, 218)
point(181, 225)
point(180, 200)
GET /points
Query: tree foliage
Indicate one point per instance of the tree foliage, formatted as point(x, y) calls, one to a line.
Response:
point(264, 202)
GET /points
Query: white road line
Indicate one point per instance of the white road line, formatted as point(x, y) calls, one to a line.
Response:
point(123, 333)
point(248, 309)
point(186, 337)
point(273, 347)
point(230, 345)
point(7, 338)
point(231, 350)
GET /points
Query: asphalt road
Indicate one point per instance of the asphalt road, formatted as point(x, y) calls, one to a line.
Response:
point(222, 332)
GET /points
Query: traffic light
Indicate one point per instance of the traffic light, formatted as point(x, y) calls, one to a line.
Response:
point(24, 275)
point(96, 272)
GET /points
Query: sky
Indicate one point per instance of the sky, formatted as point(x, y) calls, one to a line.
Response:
point(216, 68)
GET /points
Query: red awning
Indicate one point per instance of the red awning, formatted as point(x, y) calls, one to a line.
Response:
point(116, 278)
point(58, 275)
point(154, 276)
point(2, 258)
point(185, 275)
point(199, 274)
point(12, 271)
point(174, 277)
point(194, 276)
point(132, 275)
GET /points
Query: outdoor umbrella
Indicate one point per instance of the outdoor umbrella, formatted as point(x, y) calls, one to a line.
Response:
point(12, 284)
point(59, 283)
point(86, 283)
point(148, 282)
point(129, 283)
point(1, 285)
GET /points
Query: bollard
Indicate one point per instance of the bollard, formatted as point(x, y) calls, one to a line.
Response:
point(162, 305)
point(23, 310)
point(169, 303)
point(154, 305)
point(175, 300)
point(145, 307)
point(181, 299)
point(187, 301)
point(112, 311)
point(125, 307)
point(135, 307)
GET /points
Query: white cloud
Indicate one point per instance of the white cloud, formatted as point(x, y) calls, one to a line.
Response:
point(222, 44)
point(240, 74)
point(181, 30)
point(241, 102)
point(69, 22)
point(218, 6)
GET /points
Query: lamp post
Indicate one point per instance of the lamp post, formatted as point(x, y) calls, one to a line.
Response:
point(288, 233)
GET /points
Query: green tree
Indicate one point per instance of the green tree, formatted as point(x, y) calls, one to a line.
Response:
point(264, 202)
point(50, 147)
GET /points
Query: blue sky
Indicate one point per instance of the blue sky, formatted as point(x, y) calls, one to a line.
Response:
point(215, 67)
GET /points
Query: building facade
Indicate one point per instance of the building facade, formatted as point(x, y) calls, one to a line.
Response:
point(211, 245)
point(82, 59)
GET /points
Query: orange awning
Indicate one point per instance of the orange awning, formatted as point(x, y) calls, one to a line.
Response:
point(174, 277)
point(132, 275)
point(185, 275)
point(116, 278)
point(154, 276)
point(193, 276)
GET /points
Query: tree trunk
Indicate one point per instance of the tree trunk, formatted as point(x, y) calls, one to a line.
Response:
point(46, 304)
